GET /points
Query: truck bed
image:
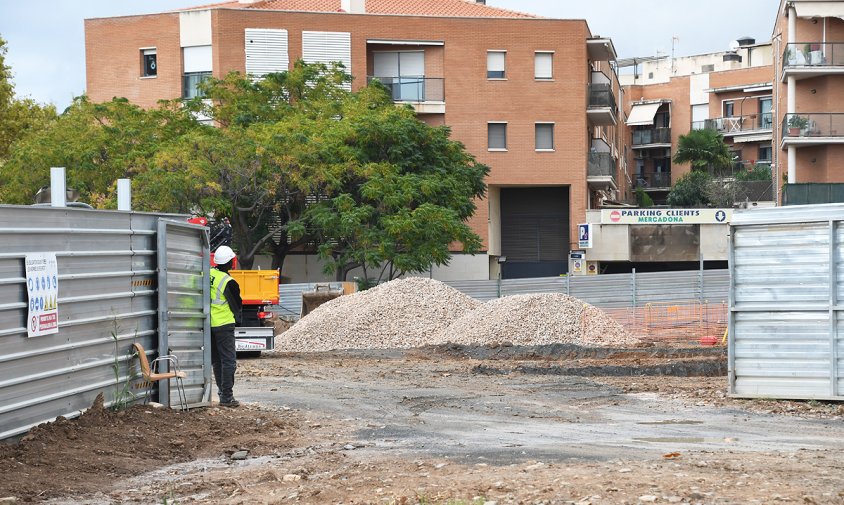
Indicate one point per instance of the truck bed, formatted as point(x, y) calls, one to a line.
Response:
point(257, 287)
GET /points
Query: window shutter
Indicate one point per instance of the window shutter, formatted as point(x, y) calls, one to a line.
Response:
point(545, 136)
point(495, 64)
point(497, 135)
point(327, 48)
point(197, 59)
point(266, 51)
point(544, 66)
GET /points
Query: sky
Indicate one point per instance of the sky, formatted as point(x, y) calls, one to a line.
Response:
point(46, 42)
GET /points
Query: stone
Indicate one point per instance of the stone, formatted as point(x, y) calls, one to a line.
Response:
point(239, 455)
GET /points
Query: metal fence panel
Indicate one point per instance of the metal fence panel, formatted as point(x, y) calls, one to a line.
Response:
point(604, 291)
point(106, 301)
point(483, 290)
point(680, 287)
point(184, 308)
point(533, 286)
point(785, 323)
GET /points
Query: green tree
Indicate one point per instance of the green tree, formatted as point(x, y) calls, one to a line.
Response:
point(704, 149)
point(405, 199)
point(98, 144)
point(694, 189)
point(18, 116)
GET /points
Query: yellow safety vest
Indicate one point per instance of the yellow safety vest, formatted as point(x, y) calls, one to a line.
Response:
point(221, 313)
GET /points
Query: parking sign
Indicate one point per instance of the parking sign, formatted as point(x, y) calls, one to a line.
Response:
point(584, 236)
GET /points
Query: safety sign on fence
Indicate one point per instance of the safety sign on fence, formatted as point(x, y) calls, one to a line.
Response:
point(42, 289)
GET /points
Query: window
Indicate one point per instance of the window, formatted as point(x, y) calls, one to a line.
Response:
point(149, 63)
point(765, 154)
point(190, 84)
point(729, 109)
point(544, 66)
point(197, 63)
point(497, 136)
point(495, 64)
point(403, 73)
point(765, 117)
point(544, 136)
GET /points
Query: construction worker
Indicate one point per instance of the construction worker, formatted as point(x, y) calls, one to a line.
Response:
point(225, 315)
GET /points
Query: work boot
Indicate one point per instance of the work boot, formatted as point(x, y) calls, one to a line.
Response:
point(229, 402)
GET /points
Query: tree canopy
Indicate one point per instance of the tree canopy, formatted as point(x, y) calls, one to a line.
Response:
point(18, 116)
point(294, 159)
point(703, 149)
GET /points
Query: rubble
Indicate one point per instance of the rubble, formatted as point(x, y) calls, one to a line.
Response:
point(537, 319)
point(416, 312)
point(400, 314)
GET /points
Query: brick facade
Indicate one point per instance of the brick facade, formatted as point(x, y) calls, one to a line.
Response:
point(472, 100)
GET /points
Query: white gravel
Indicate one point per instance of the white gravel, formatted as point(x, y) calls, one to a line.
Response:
point(415, 312)
point(403, 313)
point(537, 319)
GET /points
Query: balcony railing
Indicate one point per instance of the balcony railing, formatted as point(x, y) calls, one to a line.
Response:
point(652, 136)
point(601, 165)
point(413, 89)
point(815, 124)
point(601, 95)
point(813, 54)
point(653, 180)
point(737, 124)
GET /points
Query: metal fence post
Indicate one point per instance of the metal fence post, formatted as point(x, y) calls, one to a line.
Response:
point(633, 281)
point(700, 281)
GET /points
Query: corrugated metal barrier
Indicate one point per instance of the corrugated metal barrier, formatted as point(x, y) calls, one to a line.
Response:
point(107, 299)
point(785, 308)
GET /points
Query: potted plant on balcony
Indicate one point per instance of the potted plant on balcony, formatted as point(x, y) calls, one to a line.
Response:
point(795, 124)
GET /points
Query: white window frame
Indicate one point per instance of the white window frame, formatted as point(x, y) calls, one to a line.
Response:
point(144, 52)
point(496, 149)
point(536, 55)
point(503, 53)
point(553, 140)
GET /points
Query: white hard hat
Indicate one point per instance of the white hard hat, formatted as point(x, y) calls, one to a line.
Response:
point(223, 255)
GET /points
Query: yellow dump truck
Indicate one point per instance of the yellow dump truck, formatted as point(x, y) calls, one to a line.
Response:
point(258, 290)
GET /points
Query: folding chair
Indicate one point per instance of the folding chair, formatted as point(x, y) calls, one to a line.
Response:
point(151, 375)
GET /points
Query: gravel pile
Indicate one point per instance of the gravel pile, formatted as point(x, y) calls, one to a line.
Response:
point(536, 320)
point(404, 313)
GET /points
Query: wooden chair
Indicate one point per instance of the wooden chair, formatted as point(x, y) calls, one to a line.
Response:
point(151, 374)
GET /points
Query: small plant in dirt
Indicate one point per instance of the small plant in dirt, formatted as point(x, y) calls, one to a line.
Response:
point(123, 396)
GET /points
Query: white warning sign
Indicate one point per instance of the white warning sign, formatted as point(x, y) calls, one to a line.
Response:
point(42, 289)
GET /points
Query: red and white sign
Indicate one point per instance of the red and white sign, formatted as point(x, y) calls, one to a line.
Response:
point(42, 291)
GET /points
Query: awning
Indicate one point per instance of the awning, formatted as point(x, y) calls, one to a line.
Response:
point(642, 114)
point(763, 137)
point(819, 9)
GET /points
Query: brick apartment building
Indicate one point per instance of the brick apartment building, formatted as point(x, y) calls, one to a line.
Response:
point(809, 76)
point(533, 98)
point(729, 91)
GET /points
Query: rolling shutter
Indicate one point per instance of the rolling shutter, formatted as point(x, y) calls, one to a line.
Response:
point(266, 51)
point(327, 48)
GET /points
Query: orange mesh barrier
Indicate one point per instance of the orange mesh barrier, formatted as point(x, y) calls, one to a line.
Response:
point(686, 322)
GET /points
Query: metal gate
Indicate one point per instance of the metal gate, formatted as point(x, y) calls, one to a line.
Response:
point(183, 309)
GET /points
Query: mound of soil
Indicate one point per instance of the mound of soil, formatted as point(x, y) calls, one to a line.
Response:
point(89, 453)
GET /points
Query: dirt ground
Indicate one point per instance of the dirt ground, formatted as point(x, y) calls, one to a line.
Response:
point(435, 426)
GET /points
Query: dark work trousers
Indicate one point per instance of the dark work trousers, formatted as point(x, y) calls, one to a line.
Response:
point(223, 360)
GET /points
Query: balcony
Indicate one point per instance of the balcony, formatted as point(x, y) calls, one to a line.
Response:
point(602, 110)
point(425, 94)
point(751, 124)
point(600, 173)
point(652, 137)
point(812, 129)
point(654, 181)
point(803, 60)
